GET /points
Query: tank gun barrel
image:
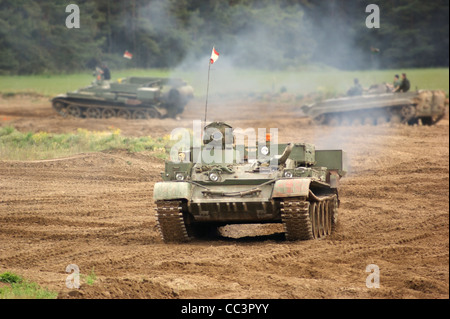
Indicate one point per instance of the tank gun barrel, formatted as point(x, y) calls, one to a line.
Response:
point(287, 151)
point(281, 159)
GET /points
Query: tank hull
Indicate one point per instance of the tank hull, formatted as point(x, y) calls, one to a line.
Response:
point(425, 107)
point(130, 98)
point(299, 192)
point(97, 108)
point(240, 203)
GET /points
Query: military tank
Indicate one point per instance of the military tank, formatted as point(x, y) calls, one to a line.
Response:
point(293, 184)
point(379, 105)
point(128, 98)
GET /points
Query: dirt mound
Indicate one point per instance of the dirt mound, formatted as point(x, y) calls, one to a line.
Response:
point(120, 288)
point(96, 211)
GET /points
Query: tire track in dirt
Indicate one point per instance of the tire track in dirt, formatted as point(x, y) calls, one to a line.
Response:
point(96, 211)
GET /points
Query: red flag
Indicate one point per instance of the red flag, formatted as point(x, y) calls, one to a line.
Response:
point(127, 55)
point(374, 50)
point(214, 56)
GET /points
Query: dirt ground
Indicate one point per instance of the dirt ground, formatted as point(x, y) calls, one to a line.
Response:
point(96, 211)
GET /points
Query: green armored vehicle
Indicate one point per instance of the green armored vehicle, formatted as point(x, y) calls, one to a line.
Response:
point(378, 106)
point(129, 98)
point(293, 184)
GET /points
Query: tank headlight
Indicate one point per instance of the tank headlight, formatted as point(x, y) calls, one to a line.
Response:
point(213, 176)
point(288, 174)
point(180, 176)
point(264, 150)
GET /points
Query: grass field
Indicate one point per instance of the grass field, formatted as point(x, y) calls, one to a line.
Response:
point(13, 286)
point(227, 81)
point(15, 145)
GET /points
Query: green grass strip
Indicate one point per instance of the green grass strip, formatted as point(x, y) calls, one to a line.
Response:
point(15, 145)
point(15, 287)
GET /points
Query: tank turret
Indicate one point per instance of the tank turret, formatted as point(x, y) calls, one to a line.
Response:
point(219, 133)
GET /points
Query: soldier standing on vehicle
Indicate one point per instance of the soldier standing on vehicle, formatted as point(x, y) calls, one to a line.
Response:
point(356, 89)
point(404, 85)
point(106, 74)
point(102, 75)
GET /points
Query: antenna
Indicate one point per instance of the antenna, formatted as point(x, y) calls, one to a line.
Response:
point(207, 91)
point(214, 57)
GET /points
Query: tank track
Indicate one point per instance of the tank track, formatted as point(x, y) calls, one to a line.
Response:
point(296, 220)
point(305, 220)
point(80, 109)
point(375, 117)
point(171, 223)
point(302, 219)
point(403, 115)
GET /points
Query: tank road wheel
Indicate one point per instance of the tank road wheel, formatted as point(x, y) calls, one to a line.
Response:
point(327, 217)
point(74, 111)
point(322, 231)
point(319, 120)
point(108, 113)
point(346, 121)
point(333, 211)
point(124, 114)
point(314, 217)
point(368, 120)
point(139, 115)
point(381, 120)
point(319, 220)
point(60, 107)
point(357, 121)
point(395, 119)
point(334, 120)
point(154, 114)
point(93, 113)
point(328, 229)
point(171, 223)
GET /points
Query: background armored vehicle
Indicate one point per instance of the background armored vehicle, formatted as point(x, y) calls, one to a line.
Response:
point(378, 106)
point(293, 184)
point(129, 98)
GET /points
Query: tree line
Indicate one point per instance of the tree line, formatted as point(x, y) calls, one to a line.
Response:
point(272, 34)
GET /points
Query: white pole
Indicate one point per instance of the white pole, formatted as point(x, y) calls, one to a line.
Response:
point(207, 91)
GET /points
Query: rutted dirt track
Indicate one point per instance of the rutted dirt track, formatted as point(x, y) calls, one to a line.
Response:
point(96, 211)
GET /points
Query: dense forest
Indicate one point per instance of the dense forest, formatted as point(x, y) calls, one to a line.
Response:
point(272, 34)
